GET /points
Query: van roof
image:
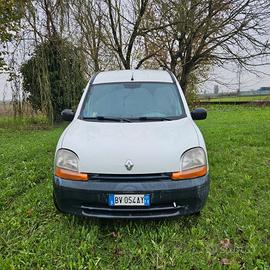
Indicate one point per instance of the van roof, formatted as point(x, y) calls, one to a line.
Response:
point(137, 75)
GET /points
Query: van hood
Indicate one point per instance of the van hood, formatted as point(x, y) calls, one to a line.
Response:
point(152, 147)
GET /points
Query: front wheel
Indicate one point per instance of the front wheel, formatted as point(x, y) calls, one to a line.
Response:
point(196, 214)
point(55, 203)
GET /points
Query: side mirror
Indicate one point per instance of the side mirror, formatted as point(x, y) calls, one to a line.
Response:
point(199, 114)
point(67, 114)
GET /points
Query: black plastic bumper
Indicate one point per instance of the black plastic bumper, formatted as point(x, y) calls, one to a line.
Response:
point(168, 198)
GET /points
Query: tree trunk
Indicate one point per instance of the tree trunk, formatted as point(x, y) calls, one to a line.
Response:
point(184, 78)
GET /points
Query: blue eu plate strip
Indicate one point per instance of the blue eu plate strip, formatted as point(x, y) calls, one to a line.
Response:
point(111, 199)
point(147, 200)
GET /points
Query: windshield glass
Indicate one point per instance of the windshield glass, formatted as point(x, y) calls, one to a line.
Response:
point(132, 100)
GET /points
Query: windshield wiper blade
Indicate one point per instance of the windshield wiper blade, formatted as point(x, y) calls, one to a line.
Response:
point(154, 118)
point(107, 118)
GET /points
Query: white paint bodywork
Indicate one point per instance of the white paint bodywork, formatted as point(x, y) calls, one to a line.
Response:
point(153, 147)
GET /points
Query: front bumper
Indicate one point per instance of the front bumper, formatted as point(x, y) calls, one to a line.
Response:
point(168, 198)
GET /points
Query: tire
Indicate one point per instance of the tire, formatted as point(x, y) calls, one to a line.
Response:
point(55, 203)
point(197, 214)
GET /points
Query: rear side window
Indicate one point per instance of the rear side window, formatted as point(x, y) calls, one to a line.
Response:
point(133, 100)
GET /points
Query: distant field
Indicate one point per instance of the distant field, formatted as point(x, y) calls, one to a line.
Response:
point(231, 233)
point(240, 98)
point(6, 109)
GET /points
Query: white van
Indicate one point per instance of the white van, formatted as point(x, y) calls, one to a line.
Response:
point(132, 150)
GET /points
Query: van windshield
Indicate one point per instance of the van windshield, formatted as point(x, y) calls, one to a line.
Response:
point(132, 101)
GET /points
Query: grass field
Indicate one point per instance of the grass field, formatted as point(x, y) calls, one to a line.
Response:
point(232, 232)
point(240, 98)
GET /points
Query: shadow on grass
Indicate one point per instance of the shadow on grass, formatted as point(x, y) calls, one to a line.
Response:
point(109, 225)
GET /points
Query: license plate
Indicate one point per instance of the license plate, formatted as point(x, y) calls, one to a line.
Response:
point(129, 200)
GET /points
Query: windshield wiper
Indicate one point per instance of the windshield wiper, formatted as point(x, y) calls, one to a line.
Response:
point(105, 118)
point(119, 119)
point(154, 118)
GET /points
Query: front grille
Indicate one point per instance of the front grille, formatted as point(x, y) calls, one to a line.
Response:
point(130, 177)
point(135, 212)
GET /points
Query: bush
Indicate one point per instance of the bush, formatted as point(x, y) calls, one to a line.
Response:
point(53, 78)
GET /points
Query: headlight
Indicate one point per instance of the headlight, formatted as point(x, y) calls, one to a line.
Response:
point(193, 158)
point(67, 166)
point(67, 160)
point(193, 164)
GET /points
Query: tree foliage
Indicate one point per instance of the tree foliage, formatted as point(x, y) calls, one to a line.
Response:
point(11, 11)
point(53, 78)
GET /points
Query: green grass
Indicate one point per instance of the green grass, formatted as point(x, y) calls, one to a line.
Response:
point(239, 98)
point(233, 227)
point(19, 123)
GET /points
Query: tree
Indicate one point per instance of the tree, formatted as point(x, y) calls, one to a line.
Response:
point(123, 29)
point(197, 34)
point(53, 77)
point(89, 18)
point(11, 11)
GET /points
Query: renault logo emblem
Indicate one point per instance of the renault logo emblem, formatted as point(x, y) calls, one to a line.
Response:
point(129, 165)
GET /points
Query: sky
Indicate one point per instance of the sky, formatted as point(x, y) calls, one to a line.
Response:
point(5, 91)
point(229, 76)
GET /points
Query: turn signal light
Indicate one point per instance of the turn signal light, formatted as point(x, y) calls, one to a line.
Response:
point(70, 175)
point(189, 174)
